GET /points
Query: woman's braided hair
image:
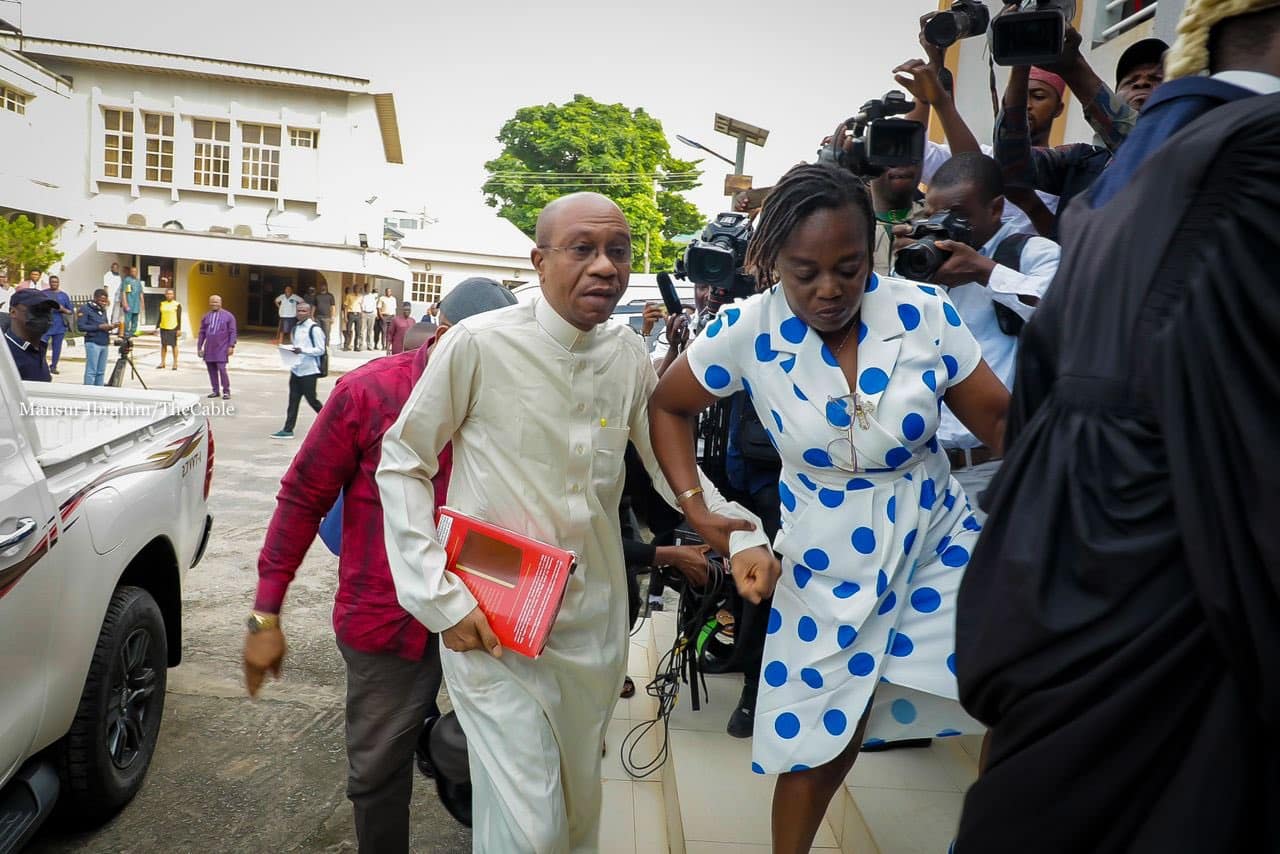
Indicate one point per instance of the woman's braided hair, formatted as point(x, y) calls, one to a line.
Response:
point(806, 188)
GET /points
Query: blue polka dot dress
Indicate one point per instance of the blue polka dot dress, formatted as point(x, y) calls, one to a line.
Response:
point(875, 533)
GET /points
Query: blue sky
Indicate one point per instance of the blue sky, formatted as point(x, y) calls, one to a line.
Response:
point(460, 69)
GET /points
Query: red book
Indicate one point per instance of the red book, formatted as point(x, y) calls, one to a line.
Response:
point(518, 582)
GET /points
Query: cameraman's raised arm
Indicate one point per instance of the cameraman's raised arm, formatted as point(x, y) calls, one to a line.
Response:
point(922, 81)
point(1110, 117)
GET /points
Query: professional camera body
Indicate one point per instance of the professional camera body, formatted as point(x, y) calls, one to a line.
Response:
point(879, 141)
point(124, 345)
point(1035, 34)
point(715, 260)
point(965, 18)
point(921, 260)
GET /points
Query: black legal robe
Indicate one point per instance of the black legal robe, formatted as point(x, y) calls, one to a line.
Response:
point(1119, 625)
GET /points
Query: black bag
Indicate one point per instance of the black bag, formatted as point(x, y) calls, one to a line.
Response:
point(324, 357)
point(753, 441)
point(1009, 254)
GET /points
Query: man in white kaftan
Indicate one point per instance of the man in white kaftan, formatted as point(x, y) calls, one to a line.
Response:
point(539, 401)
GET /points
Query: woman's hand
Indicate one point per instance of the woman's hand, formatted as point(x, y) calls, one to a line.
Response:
point(714, 528)
point(755, 572)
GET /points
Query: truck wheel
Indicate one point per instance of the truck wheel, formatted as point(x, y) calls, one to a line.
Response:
point(106, 753)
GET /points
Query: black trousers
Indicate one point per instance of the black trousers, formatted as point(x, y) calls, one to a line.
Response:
point(388, 698)
point(300, 387)
point(749, 642)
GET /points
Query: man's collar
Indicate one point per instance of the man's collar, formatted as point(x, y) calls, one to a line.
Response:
point(1254, 81)
point(565, 333)
point(22, 345)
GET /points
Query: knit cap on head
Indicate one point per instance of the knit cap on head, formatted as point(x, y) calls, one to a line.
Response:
point(1190, 53)
point(474, 296)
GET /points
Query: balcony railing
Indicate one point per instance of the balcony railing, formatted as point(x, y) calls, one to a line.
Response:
point(1118, 16)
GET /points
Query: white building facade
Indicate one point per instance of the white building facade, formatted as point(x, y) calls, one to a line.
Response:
point(441, 253)
point(215, 176)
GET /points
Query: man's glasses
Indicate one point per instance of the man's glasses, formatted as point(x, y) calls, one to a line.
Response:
point(585, 252)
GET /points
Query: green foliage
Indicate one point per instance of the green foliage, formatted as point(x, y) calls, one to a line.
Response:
point(25, 246)
point(553, 150)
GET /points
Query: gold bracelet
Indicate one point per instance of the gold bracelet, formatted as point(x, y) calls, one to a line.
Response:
point(687, 494)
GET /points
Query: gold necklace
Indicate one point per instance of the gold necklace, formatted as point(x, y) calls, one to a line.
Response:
point(852, 325)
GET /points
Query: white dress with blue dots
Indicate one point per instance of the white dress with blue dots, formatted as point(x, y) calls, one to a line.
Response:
point(875, 533)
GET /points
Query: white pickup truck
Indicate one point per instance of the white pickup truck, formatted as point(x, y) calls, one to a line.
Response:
point(103, 508)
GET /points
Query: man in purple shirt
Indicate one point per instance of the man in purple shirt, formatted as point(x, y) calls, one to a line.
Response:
point(217, 344)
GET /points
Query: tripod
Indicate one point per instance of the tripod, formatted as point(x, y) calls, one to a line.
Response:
point(116, 380)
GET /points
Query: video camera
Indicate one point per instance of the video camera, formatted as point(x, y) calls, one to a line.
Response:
point(921, 260)
point(715, 260)
point(964, 19)
point(878, 141)
point(123, 345)
point(1035, 34)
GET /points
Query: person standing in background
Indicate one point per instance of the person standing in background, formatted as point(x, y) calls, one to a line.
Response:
point(170, 326)
point(6, 292)
point(217, 344)
point(131, 302)
point(58, 331)
point(398, 328)
point(350, 318)
point(368, 311)
point(323, 305)
point(95, 322)
point(287, 311)
point(111, 284)
point(386, 313)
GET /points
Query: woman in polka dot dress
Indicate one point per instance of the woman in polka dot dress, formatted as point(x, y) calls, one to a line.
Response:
point(848, 372)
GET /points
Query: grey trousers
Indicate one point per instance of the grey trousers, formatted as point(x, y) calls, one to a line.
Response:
point(388, 698)
point(367, 319)
point(974, 480)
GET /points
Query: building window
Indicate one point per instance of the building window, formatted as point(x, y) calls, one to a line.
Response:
point(213, 153)
point(304, 138)
point(206, 268)
point(1118, 16)
point(260, 165)
point(426, 287)
point(117, 153)
point(13, 101)
point(158, 130)
point(234, 271)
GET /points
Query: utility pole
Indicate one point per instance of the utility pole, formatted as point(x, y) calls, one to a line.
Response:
point(649, 231)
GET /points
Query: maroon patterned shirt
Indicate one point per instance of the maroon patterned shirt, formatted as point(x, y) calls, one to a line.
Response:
point(341, 453)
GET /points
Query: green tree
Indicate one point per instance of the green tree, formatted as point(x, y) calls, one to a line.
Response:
point(25, 246)
point(553, 150)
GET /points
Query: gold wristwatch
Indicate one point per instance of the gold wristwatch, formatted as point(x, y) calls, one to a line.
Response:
point(260, 622)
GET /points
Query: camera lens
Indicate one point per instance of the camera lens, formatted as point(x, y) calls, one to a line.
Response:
point(919, 261)
point(942, 30)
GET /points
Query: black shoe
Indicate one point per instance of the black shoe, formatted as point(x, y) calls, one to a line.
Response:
point(53, 370)
point(656, 605)
point(214, 394)
point(743, 719)
point(421, 753)
point(903, 744)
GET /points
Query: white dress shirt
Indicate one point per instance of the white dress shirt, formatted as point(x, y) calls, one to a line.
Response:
point(369, 303)
point(539, 414)
point(936, 153)
point(1254, 81)
point(1039, 264)
point(312, 347)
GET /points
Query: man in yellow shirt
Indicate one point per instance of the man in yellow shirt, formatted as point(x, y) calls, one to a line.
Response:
point(170, 326)
point(350, 317)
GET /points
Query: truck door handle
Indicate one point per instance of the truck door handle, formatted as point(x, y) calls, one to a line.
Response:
point(26, 527)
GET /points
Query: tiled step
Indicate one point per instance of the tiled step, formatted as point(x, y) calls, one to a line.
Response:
point(896, 802)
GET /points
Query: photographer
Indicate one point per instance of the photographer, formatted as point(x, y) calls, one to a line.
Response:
point(1064, 170)
point(995, 280)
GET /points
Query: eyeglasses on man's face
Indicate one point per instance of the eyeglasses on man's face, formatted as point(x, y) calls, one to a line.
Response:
point(581, 253)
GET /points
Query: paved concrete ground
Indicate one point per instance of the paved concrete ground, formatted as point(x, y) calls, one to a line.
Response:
point(234, 775)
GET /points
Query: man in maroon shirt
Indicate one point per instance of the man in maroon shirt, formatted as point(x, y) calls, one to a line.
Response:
point(393, 666)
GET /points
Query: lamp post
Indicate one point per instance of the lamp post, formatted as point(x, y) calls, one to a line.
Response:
point(743, 133)
point(694, 144)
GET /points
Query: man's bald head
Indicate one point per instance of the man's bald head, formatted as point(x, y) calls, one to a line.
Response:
point(569, 208)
